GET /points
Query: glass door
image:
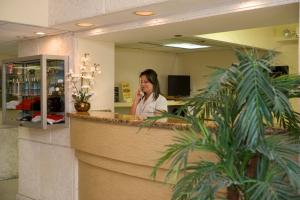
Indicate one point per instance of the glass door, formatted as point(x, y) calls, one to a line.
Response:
point(55, 91)
point(22, 102)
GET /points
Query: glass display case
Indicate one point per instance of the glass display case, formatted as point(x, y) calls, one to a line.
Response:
point(34, 91)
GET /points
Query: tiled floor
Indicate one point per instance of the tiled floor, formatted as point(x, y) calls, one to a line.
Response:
point(8, 189)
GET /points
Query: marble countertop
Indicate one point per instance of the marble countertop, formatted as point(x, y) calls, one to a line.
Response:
point(131, 120)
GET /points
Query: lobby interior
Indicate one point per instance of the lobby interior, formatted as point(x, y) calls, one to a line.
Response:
point(124, 44)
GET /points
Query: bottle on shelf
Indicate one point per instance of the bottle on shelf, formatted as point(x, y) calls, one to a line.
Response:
point(51, 89)
point(26, 87)
point(18, 92)
point(33, 87)
point(14, 87)
point(30, 93)
point(10, 87)
point(38, 86)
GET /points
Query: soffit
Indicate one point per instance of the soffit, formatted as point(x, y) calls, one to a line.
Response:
point(269, 37)
point(285, 14)
point(165, 9)
point(11, 33)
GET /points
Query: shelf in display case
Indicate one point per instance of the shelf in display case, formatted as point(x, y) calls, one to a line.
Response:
point(25, 95)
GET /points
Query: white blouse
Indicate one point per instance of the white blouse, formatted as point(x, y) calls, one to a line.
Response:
point(150, 106)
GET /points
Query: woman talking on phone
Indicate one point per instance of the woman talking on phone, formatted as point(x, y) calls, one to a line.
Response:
point(148, 101)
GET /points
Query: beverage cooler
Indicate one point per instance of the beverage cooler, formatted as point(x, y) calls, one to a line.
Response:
point(34, 91)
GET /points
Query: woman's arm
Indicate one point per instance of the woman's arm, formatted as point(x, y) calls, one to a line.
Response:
point(137, 99)
point(161, 104)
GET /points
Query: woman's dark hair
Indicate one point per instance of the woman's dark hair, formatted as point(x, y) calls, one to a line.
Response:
point(151, 75)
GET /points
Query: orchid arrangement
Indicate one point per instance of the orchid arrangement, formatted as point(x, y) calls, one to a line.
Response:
point(83, 82)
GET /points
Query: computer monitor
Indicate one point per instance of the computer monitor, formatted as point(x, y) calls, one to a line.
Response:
point(179, 85)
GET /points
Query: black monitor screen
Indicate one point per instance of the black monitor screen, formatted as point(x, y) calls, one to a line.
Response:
point(279, 70)
point(179, 85)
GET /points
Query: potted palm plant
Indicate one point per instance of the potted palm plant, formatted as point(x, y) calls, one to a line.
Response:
point(254, 136)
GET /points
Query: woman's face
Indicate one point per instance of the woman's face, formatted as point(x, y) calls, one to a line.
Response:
point(146, 85)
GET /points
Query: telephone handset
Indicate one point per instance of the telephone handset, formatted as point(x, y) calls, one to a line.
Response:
point(141, 93)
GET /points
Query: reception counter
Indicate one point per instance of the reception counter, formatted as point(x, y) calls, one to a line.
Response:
point(116, 156)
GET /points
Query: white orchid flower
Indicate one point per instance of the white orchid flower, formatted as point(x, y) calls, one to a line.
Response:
point(82, 67)
point(86, 87)
point(97, 67)
point(84, 81)
point(84, 58)
point(88, 77)
point(75, 93)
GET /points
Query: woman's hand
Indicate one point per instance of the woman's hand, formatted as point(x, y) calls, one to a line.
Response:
point(137, 98)
point(138, 95)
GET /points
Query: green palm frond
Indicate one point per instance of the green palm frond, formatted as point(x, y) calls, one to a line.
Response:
point(284, 88)
point(283, 151)
point(195, 121)
point(272, 186)
point(206, 102)
point(282, 146)
point(288, 85)
point(282, 111)
point(202, 182)
point(185, 142)
point(254, 92)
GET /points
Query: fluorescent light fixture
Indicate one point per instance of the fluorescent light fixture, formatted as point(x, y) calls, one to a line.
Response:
point(84, 24)
point(186, 45)
point(144, 13)
point(40, 33)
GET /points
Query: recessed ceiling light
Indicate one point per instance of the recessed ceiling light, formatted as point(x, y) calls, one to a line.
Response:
point(40, 33)
point(144, 13)
point(84, 24)
point(186, 45)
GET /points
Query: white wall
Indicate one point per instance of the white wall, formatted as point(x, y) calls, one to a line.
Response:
point(197, 65)
point(289, 56)
point(32, 12)
point(47, 164)
point(256, 37)
point(7, 56)
point(131, 62)
point(264, 38)
point(102, 53)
